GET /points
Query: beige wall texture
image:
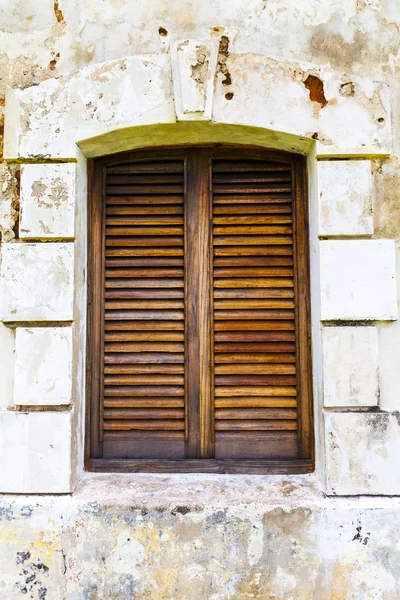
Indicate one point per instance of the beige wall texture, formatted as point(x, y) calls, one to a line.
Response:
point(83, 79)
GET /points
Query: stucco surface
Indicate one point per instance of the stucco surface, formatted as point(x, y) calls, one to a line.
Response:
point(201, 538)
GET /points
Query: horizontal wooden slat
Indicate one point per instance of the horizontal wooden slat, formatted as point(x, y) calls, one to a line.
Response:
point(143, 390)
point(143, 379)
point(251, 315)
point(257, 380)
point(270, 250)
point(226, 347)
point(161, 166)
point(253, 390)
point(251, 176)
point(144, 283)
point(254, 336)
point(144, 347)
point(267, 198)
point(251, 326)
point(256, 369)
point(255, 358)
point(255, 272)
point(252, 230)
point(242, 165)
point(250, 188)
point(144, 336)
point(256, 240)
point(120, 369)
point(162, 425)
point(255, 425)
point(144, 199)
point(241, 305)
point(144, 413)
point(143, 178)
point(137, 209)
point(144, 315)
point(259, 282)
point(159, 223)
point(254, 293)
point(145, 358)
point(124, 230)
point(164, 241)
point(143, 273)
point(163, 190)
point(253, 261)
point(148, 403)
point(255, 413)
point(273, 220)
point(143, 304)
point(176, 251)
point(254, 208)
point(115, 324)
point(151, 294)
point(255, 402)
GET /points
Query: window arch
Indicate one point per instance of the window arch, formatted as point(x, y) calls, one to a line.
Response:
point(199, 320)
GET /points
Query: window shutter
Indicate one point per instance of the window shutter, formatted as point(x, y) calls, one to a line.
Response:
point(144, 320)
point(198, 312)
point(254, 316)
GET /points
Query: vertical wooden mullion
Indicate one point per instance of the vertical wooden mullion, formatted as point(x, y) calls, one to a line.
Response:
point(302, 310)
point(96, 304)
point(198, 372)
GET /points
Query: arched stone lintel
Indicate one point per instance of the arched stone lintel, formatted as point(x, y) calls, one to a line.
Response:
point(191, 133)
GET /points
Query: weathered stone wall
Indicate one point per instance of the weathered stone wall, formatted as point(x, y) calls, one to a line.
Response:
point(87, 78)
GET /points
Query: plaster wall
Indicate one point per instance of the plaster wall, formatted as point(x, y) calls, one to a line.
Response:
point(82, 80)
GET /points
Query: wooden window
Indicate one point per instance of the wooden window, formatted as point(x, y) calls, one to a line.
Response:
point(199, 319)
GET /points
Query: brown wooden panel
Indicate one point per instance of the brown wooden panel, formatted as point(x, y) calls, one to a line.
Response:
point(250, 445)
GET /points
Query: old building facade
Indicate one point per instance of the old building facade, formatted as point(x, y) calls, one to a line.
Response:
point(81, 81)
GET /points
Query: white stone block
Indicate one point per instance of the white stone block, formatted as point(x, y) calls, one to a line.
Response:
point(47, 201)
point(36, 452)
point(36, 282)
point(43, 367)
point(358, 280)
point(350, 366)
point(362, 453)
point(345, 197)
point(7, 361)
point(97, 99)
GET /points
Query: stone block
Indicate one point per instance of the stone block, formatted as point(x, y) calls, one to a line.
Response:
point(344, 196)
point(36, 282)
point(358, 280)
point(7, 361)
point(43, 367)
point(47, 208)
point(362, 453)
point(350, 366)
point(36, 452)
point(97, 99)
point(193, 68)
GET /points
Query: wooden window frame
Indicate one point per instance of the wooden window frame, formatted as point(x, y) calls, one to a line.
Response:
point(304, 463)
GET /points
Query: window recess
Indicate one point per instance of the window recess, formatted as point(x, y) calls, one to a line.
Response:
point(199, 344)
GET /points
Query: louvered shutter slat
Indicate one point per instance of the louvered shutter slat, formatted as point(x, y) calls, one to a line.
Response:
point(254, 319)
point(144, 319)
